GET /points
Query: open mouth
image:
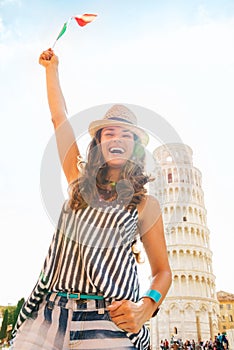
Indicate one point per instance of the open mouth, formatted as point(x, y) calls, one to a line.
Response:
point(116, 150)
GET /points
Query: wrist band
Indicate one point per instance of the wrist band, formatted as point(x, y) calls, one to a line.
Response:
point(153, 294)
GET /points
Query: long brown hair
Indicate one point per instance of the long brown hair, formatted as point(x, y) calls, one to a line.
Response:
point(86, 189)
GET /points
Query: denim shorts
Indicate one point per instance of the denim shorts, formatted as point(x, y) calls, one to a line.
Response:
point(64, 324)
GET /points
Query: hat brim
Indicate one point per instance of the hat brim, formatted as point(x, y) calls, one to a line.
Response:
point(103, 123)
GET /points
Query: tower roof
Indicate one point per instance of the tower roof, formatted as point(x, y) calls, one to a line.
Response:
point(225, 296)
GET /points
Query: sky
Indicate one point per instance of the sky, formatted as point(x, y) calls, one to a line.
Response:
point(175, 58)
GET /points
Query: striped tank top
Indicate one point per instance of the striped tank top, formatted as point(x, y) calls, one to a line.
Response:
point(91, 252)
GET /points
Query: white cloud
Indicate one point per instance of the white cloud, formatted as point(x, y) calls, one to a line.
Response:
point(10, 2)
point(5, 33)
point(2, 28)
point(203, 14)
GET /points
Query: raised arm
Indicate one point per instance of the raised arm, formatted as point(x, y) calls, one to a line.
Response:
point(66, 142)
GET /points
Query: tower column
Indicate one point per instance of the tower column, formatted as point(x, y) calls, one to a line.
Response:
point(211, 326)
point(198, 326)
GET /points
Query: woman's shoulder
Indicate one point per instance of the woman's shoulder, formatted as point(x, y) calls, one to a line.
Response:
point(149, 207)
point(148, 202)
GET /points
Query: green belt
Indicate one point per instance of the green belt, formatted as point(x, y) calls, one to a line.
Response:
point(79, 296)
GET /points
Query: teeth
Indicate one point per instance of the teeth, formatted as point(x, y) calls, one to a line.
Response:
point(117, 150)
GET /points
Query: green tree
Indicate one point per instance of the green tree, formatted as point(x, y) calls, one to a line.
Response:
point(17, 311)
point(3, 331)
point(11, 313)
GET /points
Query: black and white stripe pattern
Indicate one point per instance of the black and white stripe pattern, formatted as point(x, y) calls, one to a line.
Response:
point(91, 253)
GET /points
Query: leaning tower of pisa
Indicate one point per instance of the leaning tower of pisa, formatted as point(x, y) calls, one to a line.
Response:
point(190, 310)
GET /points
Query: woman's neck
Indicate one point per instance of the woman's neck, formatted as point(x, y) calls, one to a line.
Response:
point(113, 174)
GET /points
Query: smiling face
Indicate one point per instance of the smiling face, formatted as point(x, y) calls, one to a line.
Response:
point(117, 144)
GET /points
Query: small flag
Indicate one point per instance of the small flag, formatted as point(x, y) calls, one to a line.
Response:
point(81, 21)
point(63, 30)
point(85, 19)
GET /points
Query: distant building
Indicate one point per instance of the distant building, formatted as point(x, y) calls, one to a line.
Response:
point(226, 307)
point(191, 309)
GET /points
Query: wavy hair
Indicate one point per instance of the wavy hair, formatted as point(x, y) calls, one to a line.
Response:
point(93, 179)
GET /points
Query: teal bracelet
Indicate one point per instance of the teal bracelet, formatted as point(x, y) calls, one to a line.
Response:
point(153, 294)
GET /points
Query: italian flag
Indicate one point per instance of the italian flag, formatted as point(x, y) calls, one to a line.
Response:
point(85, 19)
point(81, 20)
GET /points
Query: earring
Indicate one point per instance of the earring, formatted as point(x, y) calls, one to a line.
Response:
point(80, 163)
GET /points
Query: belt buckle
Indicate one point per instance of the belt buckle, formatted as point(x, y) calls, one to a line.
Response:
point(74, 298)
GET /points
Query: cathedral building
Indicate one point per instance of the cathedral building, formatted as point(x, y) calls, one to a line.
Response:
point(226, 306)
point(191, 309)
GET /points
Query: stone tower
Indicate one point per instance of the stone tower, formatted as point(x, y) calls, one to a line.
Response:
point(190, 310)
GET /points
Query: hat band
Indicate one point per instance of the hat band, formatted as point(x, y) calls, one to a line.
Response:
point(120, 120)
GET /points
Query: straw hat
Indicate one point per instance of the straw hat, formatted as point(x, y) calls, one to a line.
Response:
point(119, 115)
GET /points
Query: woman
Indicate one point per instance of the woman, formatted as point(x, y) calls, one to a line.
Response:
point(87, 296)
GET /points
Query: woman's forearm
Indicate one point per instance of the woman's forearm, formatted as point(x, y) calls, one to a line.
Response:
point(162, 282)
point(55, 96)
